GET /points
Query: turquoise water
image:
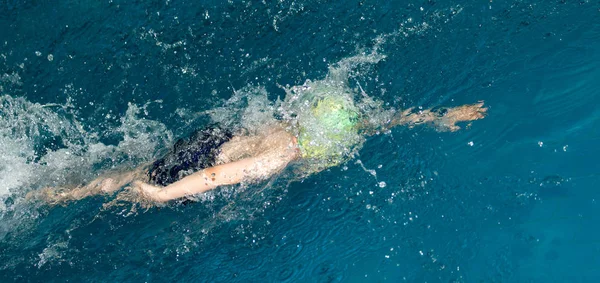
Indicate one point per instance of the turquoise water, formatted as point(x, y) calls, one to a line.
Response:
point(91, 85)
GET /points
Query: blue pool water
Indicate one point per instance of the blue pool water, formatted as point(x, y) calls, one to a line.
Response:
point(90, 85)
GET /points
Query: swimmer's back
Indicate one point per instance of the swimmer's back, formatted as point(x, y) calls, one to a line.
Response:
point(188, 155)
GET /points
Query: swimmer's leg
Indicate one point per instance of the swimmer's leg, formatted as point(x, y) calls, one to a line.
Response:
point(443, 119)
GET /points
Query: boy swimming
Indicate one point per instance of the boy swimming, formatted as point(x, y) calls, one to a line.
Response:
point(319, 125)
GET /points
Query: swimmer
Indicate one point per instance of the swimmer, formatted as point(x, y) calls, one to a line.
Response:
point(320, 127)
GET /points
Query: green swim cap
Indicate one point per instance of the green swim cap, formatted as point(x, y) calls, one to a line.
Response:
point(333, 133)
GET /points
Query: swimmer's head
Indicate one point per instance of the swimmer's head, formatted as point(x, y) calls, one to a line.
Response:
point(333, 113)
point(333, 134)
point(324, 116)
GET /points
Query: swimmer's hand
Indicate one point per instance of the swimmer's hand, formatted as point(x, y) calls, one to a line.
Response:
point(443, 119)
point(148, 192)
point(464, 113)
point(63, 195)
point(49, 195)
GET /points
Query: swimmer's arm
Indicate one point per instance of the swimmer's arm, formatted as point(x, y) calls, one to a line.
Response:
point(443, 119)
point(104, 184)
point(247, 169)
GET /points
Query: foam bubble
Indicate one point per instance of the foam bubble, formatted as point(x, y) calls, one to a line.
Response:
point(46, 145)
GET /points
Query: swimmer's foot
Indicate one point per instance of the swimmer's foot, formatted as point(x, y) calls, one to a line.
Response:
point(464, 113)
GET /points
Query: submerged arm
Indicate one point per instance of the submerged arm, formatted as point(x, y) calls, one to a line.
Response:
point(443, 119)
point(104, 184)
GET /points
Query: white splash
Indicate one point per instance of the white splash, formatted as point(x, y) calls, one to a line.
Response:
point(28, 130)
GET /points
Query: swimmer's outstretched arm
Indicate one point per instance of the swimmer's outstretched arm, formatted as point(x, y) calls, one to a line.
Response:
point(443, 119)
point(248, 169)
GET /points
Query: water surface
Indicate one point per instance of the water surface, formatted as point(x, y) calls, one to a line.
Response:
point(90, 85)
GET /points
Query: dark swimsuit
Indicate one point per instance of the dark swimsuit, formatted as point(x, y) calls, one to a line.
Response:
point(189, 155)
